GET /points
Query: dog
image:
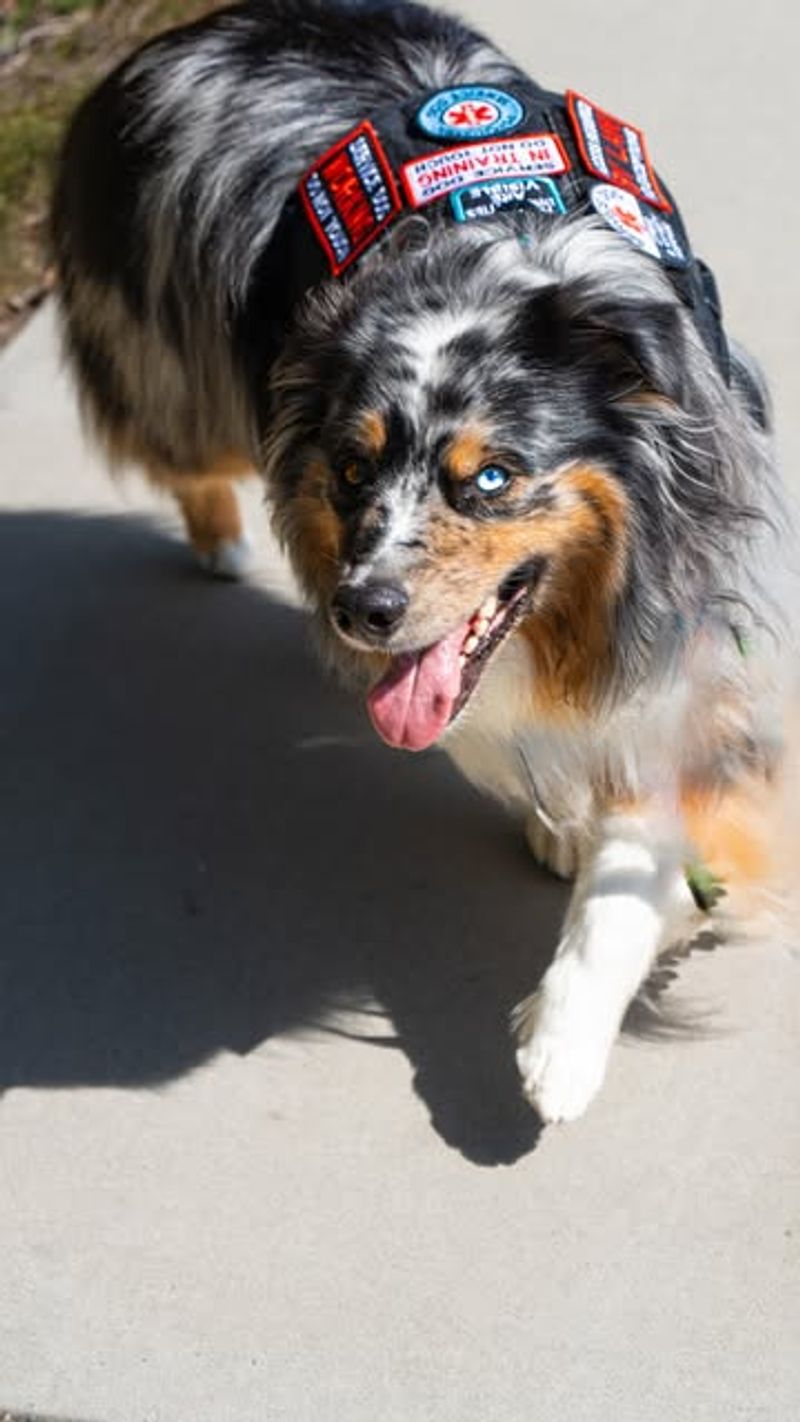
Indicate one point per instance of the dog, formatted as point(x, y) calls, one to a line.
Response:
point(526, 482)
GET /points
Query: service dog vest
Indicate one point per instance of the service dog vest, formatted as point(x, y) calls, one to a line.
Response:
point(471, 152)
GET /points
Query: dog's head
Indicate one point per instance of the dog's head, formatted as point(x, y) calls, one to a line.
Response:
point(468, 443)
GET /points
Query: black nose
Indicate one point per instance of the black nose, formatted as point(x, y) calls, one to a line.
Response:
point(370, 610)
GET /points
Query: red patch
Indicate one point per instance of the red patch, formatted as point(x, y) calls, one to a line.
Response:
point(614, 150)
point(350, 196)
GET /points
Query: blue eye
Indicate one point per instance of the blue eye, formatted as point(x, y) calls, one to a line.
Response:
point(492, 480)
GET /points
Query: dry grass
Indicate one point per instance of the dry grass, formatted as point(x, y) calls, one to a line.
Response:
point(51, 53)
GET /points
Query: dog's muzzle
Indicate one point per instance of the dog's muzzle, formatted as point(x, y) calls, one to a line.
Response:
point(369, 611)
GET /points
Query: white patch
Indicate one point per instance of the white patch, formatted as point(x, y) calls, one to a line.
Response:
point(645, 230)
point(623, 213)
point(402, 516)
point(630, 897)
point(390, 554)
point(563, 1062)
point(423, 342)
point(529, 155)
point(572, 249)
point(231, 559)
point(402, 524)
point(637, 748)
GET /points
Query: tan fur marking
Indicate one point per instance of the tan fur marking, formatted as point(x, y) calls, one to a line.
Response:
point(585, 542)
point(206, 498)
point(730, 830)
point(211, 512)
point(569, 637)
point(372, 433)
point(647, 399)
point(467, 453)
point(228, 464)
point(314, 531)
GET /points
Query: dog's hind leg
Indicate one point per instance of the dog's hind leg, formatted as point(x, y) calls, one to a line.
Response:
point(630, 896)
point(212, 513)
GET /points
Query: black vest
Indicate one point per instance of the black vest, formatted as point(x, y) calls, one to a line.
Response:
point(466, 154)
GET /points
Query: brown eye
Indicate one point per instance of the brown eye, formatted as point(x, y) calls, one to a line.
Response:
point(354, 473)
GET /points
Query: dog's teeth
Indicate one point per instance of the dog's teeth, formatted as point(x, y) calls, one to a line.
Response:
point(480, 626)
point(470, 644)
point(489, 609)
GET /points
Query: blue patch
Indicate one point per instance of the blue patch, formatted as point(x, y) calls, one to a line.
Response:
point(471, 111)
point(483, 200)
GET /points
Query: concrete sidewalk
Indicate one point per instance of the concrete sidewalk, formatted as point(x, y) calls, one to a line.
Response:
point(262, 1152)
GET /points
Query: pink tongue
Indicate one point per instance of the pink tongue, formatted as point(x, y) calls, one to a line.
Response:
point(414, 701)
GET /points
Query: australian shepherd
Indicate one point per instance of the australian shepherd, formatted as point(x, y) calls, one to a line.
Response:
point(524, 478)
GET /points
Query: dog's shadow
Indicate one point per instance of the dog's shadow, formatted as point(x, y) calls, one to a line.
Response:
point(204, 844)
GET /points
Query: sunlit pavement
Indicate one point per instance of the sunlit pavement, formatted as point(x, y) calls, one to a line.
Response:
point(262, 1153)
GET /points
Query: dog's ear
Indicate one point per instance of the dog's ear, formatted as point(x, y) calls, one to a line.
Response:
point(635, 345)
point(647, 339)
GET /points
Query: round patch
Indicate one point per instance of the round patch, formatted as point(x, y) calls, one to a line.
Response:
point(646, 230)
point(472, 111)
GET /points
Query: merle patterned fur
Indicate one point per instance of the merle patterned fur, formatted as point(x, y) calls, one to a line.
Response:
point(563, 345)
point(173, 178)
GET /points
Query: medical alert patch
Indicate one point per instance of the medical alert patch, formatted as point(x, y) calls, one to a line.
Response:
point(471, 111)
point(350, 196)
point(648, 231)
point(484, 200)
point(614, 150)
point(528, 155)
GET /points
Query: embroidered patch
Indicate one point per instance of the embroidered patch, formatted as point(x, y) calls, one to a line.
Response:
point(350, 196)
point(472, 111)
point(614, 150)
point(484, 200)
point(528, 155)
point(648, 231)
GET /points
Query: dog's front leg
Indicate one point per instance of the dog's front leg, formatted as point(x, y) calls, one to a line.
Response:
point(629, 898)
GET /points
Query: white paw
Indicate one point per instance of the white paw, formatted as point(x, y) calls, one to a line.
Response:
point(557, 852)
point(565, 1041)
point(231, 559)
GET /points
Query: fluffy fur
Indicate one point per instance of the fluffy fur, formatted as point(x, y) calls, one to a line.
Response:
point(616, 707)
